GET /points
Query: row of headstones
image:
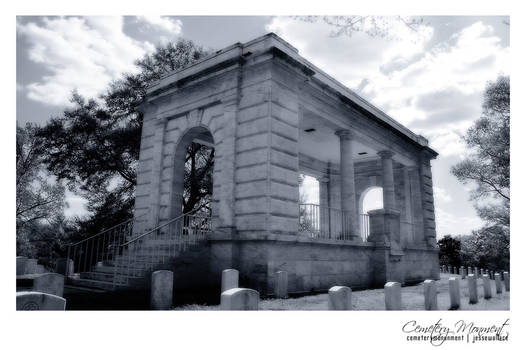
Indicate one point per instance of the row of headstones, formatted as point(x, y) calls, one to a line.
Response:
point(470, 270)
point(26, 266)
point(232, 297)
point(340, 297)
point(430, 290)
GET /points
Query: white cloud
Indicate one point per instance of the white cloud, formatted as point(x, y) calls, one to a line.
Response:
point(441, 195)
point(76, 205)
point(434, 91)
point(349, 59)
point(167, 24)
point(78, 53)
point(455, 224)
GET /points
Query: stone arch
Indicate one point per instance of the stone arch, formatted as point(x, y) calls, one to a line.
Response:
point(199, 134)
point(366, 195)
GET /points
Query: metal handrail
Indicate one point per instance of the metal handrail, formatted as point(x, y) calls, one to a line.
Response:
point(158, 227)
point(106, 230)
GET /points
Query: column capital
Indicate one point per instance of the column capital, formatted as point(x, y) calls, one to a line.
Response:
point(344, 134)
point(385, 154)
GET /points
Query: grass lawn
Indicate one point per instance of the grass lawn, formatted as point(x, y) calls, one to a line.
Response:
point(373, 299)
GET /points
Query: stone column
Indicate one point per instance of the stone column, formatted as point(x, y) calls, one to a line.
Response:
point(416, 200)
point(426, 182)
point(388, 179)
point(158, 155)
point(325, 217)
point(408, 217)
point(227, 149)
point(392, 214)
point(348, 192)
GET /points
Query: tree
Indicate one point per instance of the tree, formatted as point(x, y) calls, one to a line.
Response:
point(488, 165)
point(449, 253)
point(39, 199)
point(374, 26)
point(488, 247)
point(94, 146)
point(198, 185)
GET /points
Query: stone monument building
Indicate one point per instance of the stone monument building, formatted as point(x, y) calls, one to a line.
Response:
point(271, 115)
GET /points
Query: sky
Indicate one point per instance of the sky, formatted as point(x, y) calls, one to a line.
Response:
point(431, 81)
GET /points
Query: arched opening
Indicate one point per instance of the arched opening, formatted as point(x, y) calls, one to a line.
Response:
point(371, 199)
point(192, 190)
point(310, 220)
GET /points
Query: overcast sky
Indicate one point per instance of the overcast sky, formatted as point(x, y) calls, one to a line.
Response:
point(431, 81)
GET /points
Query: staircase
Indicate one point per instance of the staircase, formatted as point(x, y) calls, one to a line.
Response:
point(118, 259)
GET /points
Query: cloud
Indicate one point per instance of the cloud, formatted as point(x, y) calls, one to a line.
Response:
point(350, 59)
point(441, 195)
point(163, 23)
point(434, 90)
point(78, 53)
point(455, 224)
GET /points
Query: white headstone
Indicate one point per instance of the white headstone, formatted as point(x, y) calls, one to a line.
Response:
point(229, 279)
point(472, 287)
point(454, 293)
point(240, 299)
point(65, 266)
point(463, 272)
point(31, 266)
point(487, 286)
point(498, 283)
point(21, 263)
point(281, 284)
point(32, 301)
point(340, 298)
point(430, 295)
point(162, 290)
point(50, 283)
point(507, 281)
point(393, 296)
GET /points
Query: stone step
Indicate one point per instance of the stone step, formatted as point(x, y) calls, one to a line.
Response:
point(111, 269)
point(105, 277)
point(86, 283)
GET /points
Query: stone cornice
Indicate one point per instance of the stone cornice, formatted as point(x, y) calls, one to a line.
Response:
point(279, 48)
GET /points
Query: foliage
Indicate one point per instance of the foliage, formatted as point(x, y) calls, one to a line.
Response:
point(374, 26)
point(488, 165)
point(94, 145)
point(488, 248)
point(198, 185)
point(39, 199)
point(449, 253)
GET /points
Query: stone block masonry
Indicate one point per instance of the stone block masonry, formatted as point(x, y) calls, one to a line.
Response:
point(253, 103)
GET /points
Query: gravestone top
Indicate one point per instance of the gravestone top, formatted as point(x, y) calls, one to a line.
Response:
point(32, 301)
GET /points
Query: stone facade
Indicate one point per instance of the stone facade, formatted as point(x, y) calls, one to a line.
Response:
point(271, 115)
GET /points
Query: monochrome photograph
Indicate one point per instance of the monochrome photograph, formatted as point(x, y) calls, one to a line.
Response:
point(251, 162)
